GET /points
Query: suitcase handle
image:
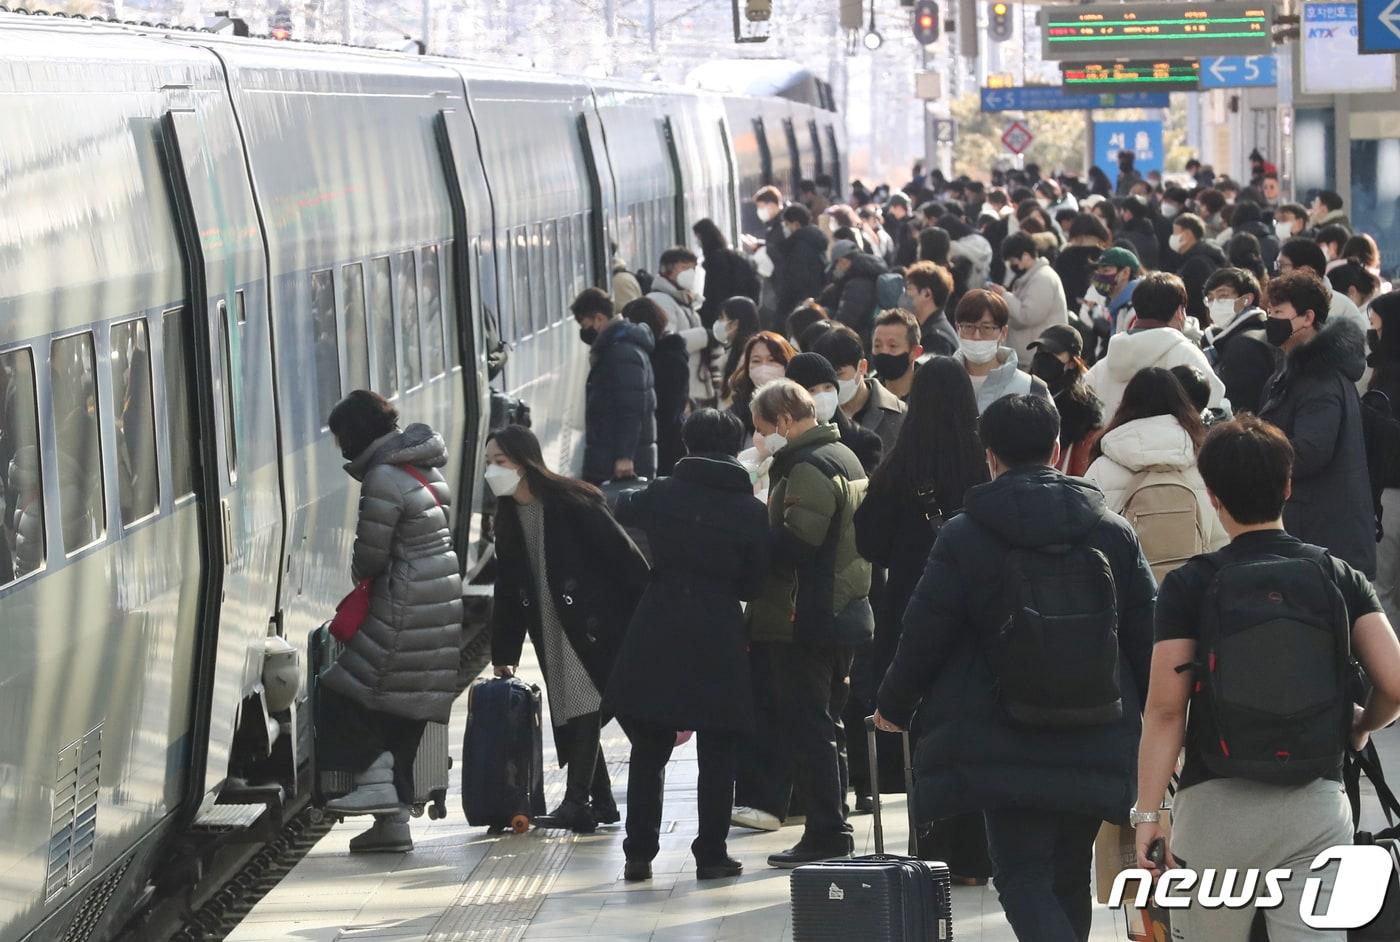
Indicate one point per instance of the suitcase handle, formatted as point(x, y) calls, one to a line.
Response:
point(908, 789)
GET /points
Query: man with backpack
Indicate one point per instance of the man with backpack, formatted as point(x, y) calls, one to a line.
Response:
point(1028, 642)
point(852, 297)
point(1258, 640)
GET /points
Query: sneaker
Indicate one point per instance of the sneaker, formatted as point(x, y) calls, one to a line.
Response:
point(389, 835)
point(605, 810)
point(719, 870)
point(374, 791)
point(635, 871)
point(569, 816)
point(754, 819)
point(813, 851)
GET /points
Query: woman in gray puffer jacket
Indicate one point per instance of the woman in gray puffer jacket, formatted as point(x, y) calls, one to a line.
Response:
point(400, 669)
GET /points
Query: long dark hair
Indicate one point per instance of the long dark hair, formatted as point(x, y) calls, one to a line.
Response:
point(522, 447)
point(938, 448)
point(1151, 392)
point(712, 241)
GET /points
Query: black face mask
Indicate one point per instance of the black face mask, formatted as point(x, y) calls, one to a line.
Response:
point(1278, 330)
point(1047, 367)
point(588, 335)
point(891, 365)
point(349, 453)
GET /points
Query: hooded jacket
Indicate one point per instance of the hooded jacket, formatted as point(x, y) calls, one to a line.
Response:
point(851, 297)
point(1165, 347)
point(620, 406)
point(800, 261)
point(404, 658)
point(818, 586)
point(1158, 443)
point(1197, 265)
point(1036, 301)
point(1006, 380)
point(1243, 358)
point(969, 757)
point(1313, 400)
point(682, 318)
point(978, 252)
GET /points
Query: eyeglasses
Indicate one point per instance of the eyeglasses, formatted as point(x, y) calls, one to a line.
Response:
point(982, 331)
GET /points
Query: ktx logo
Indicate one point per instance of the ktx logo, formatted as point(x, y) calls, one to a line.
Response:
point(1322, 32)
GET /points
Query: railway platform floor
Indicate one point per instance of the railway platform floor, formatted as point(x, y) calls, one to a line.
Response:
point(460, 884)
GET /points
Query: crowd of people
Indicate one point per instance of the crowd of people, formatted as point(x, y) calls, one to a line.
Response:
point(1011, 465)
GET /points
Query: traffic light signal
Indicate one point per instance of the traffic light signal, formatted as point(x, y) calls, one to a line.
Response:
point(926, 22)
point(999, 25)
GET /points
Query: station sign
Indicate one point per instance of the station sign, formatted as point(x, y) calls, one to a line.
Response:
point(1239, 71)
point(1099, 31)
point(1143, 138)
point(1017, 138)
point(1380, 27)
point(1168, 75)
point(1332, 63)
point(1055, 98)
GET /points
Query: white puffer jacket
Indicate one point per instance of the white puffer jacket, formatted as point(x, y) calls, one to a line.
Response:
point(1157, 442)
point(1129, 352)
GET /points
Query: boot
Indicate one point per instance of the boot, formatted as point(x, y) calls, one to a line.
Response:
point(390, 834)
point(571, 815)
point(374, 791)
point(604, 805)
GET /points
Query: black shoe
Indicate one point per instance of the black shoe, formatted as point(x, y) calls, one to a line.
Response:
point(635, 871)
point(864, 804)
point(812, 851)
point(605, 810)
point(720, 870)
point(569, 816)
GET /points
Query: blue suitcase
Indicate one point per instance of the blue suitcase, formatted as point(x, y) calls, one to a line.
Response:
point(503, 755)
point(881, 898)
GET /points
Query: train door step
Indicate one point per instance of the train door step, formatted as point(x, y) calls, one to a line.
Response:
point(218, 819)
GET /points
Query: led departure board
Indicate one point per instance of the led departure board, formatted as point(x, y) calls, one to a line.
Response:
point(1139, 31)
point(1151, 75)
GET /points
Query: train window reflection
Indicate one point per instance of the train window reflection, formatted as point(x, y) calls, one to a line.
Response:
point(520, 283)
point(73, 377)
point(138, 487)
point(22, 496)
point(231, 387)
point(175, 334)
point(555, 304)
point(326, 346)
point(432, 310)
point(406, 300)
point(450, 308)
point(352, 280)
point(386, 372)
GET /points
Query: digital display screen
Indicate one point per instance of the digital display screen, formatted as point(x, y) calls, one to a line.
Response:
point(1145, 75)
point(1098, 31)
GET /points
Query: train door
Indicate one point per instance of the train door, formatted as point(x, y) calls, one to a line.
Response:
point(838, 182)
point(673, 155)
point(731, 181)
point(602, 195)
point(791, 134)
point(765, 153)
point(818, 165)
point(239, 467)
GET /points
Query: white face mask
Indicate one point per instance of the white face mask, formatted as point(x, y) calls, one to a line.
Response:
point(978, 351)
point(774, 443)
point(1170, 210)
point(721, 331)
point(686, 280)
point(846, 390)
point(1175, 242)
point(1222, 310)
point(765, 373)
point(826, 405)
point(503, 481)
point(1284, 230)
point(765, 213)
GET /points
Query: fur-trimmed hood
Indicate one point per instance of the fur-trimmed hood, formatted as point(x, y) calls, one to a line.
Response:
point(1340, 345)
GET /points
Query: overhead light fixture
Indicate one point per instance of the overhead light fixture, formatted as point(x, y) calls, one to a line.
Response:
point(872, 40)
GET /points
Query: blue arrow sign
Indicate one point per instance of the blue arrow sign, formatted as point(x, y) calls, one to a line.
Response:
point(1054, 98)
point(1380, 26)
point(1239, 71)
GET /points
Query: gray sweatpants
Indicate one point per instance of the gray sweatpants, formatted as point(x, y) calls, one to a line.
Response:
point(1242, 824)
point(1387, 581)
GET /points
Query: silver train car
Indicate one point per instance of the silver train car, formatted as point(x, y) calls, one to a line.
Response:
point(204, 243)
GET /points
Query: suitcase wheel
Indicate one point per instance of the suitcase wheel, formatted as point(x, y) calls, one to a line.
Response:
point(520, 823)
point(416, 809)
point(437, 811)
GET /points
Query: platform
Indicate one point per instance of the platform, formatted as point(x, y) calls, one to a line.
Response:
point(461, 885)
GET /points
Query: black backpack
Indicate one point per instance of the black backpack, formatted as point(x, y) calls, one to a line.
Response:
point(1056, 655)
point(1273, 670)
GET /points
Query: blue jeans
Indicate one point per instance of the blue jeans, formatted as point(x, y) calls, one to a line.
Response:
point(1041, 867)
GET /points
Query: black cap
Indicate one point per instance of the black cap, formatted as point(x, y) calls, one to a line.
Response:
point(811, 369)
point(1058, 338)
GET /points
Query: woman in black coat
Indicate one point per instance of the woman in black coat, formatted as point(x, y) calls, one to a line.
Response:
point(936, 458)
point(567, 575)
point(728, 274)
point(670, 368)
point(684, 664)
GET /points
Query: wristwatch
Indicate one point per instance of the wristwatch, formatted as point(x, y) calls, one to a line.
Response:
point(1136, 817)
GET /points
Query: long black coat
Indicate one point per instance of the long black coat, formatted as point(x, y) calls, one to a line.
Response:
point(799, 263)
point(596, 575)
point(1313, 399)
point(684, 663)
point(969, 757)
point(727, 275)
point(670, 364)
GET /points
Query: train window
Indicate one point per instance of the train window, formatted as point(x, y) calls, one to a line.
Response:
point(566, 260)
point(549, 249)
point(386, 373)
point(240, 308)
point(327, 348)
point(431, 293)
point(406, 301)
point(73, 377)
point(231, 384)
point(449, 304)
point(504, 297)
point(583, 252)
point(138, 487)
point(22, 501)
point(520, 283)
point(540, 301)
point(181, 432)
point(352, 281)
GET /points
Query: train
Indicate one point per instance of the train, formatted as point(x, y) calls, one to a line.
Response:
point(205, 241)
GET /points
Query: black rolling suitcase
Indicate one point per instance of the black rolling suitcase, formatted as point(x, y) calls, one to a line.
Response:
point(431, 766)
point(503, 755)
point(881, 898)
